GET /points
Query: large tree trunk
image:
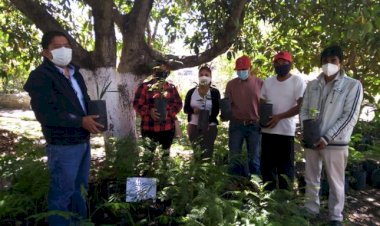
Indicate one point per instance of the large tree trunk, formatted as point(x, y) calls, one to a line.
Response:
point(119, 99)
point(137, 56)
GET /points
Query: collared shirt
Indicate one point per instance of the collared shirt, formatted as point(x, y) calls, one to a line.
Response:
point(202, 103)
point(74, 85)
point(144, 101)
point(245, 97)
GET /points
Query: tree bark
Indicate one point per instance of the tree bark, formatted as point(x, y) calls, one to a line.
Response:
point(137, 55)
point(105, 39)
point(119, 99)
point(133, 56)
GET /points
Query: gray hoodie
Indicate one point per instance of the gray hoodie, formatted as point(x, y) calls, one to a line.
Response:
point(339, 112)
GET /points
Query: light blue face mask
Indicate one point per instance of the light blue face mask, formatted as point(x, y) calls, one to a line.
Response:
point(243, 74)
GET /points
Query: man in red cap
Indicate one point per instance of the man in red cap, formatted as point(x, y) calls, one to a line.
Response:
point(284, 92)
point(244, 93)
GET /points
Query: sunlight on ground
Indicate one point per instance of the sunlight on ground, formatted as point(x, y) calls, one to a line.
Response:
point(20, 122)
point(24, 123)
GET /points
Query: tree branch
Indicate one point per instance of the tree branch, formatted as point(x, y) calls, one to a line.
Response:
point(105, 39)
point(119, 18)
point(134, 36)
point(223, 41)
point(138, 18)
point(45, 22)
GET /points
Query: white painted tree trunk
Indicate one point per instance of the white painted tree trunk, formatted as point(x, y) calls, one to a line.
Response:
point(119, 99)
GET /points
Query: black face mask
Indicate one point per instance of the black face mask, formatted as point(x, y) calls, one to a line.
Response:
point(162, 74)
point(282, 70)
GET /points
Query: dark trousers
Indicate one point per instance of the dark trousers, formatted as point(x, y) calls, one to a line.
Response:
point(202, 140)
point(277, 160)
point(164, 138)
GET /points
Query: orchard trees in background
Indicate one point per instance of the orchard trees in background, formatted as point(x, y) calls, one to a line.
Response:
point(119, 40)
point(306, 27)
point(93, 27)
point(18, 48)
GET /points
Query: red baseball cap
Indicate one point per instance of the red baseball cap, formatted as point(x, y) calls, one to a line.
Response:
point(283, 55)
point(243, 63)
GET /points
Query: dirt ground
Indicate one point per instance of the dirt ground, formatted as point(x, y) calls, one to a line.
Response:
point(362, 207)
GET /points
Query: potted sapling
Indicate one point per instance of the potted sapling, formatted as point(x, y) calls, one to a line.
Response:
point(266, 111)
point(160, 101)
point(225, 109)
point(99, 107)
point(203, 117)
point(311, 129)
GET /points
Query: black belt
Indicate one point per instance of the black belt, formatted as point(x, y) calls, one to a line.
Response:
point(245, 122)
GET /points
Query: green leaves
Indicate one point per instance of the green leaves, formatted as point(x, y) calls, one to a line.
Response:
point(18, 47)
point(306, 27)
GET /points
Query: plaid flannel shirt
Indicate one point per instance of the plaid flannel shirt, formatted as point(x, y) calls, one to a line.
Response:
point(144, 101)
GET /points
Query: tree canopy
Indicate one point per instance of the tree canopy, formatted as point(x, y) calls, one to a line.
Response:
point(306, 27)
point(126, 34)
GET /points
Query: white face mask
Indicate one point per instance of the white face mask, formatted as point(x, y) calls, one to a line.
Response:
point(330, 69)
point(204, 80)
point(61, 56)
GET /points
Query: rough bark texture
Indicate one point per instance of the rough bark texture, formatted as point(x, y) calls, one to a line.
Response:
point(136, 57)
point(133, 54)
point(136, 53)
point(105, 40)
point(224, 40)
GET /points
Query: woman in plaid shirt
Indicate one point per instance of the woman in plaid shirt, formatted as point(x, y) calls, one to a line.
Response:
point(157, 120)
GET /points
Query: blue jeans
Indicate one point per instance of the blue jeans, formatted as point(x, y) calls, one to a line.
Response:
point(251, 134)
point(69, 167)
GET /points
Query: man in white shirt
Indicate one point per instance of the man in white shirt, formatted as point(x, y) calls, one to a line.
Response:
point(284, 91)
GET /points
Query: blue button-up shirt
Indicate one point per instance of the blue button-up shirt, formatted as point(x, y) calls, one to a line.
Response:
point(75, 85)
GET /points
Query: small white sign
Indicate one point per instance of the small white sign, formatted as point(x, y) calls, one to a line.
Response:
point(140, 188)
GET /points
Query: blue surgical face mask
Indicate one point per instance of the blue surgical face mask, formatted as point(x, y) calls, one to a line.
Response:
point(243, 74)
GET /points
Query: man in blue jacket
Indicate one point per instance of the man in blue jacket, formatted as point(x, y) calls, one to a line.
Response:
point(59, 100)
point(334, 100)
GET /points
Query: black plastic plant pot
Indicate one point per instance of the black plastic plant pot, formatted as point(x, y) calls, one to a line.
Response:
point(203, 119)
point(225, 109)
point(311, 133)
point(360, 179)
point(325, 187)
point(266, 111)
point(160, 104)
point(99, 107)
point(347, 183)
point(369, 166)
point(375, 178)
